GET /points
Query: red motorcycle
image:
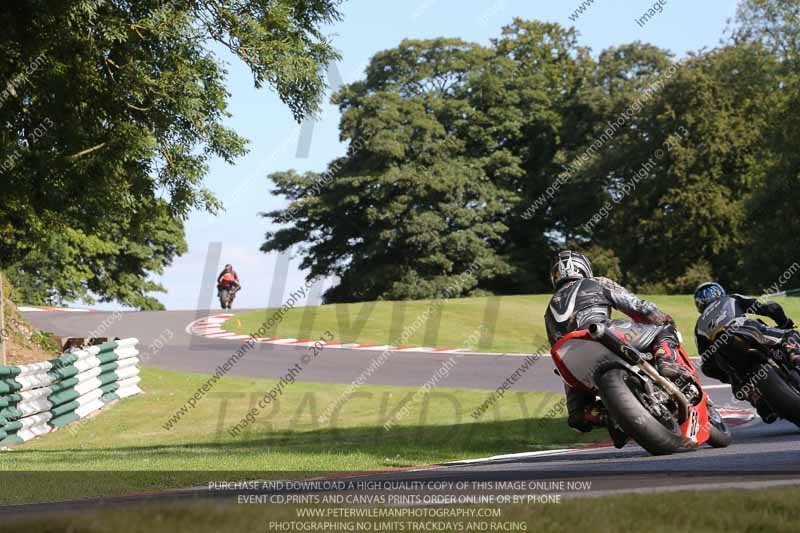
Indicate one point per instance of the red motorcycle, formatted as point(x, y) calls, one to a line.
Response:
point(658, 414)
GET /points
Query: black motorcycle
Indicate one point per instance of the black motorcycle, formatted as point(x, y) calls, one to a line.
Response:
point(756, 358)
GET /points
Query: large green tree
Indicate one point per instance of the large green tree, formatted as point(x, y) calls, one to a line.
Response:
point(773, 224)
point(533, 111)
point(678, 182)
point(408, 209)
point(111, 113)
point(450, 145)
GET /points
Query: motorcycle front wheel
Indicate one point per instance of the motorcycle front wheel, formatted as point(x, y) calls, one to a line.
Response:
point(719, 434)
point(224, 296)
point(623, 395)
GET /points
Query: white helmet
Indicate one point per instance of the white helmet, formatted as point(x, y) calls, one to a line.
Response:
point(570, 266)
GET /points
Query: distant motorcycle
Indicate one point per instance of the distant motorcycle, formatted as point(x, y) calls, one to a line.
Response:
point(661, 416)
point(227, 295)
point(759, 363)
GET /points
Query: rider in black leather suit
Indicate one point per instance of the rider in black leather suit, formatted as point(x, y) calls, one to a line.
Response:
point(721, 312)
point(582, 299)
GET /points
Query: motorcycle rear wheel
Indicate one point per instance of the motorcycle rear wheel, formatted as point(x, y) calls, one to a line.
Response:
point(620, 392)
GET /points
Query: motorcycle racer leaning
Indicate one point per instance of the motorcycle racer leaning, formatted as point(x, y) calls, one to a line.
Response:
point(727, 312)
point(228, 279)
point(582, 299)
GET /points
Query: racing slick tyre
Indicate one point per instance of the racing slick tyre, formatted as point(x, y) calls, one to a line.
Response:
point(622, 394)
point(719, 434)
point(781, 396)
point(224, 298)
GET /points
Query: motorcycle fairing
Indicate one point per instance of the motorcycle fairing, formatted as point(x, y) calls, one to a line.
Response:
point(695, 429)
point(577, 357)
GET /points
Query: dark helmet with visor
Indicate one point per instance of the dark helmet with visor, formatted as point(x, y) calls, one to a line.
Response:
point(707, 293)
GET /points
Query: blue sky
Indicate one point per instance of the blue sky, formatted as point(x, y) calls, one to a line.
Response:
point(369, 27)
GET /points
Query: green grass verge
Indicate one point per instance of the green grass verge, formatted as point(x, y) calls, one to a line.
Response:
point(773, 510)
point(131, 436)
point(513, 323)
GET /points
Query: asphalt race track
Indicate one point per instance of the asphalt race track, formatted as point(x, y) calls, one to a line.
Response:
point(198, 354)
point(761, 455)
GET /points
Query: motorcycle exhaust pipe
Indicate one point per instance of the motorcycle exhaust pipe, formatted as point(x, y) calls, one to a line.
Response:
point(607, 338)
point(684, 407)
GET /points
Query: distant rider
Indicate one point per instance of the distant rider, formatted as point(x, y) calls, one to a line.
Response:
point(228, 279)
point(232, 275)
point(720, 312)
point(582, 299)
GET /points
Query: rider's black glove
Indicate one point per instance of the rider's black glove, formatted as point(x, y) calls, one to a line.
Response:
point(789, 324)
point(668, 320)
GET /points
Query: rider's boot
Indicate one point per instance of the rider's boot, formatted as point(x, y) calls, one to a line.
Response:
point(586, 413)
point(583, 413)
point(741, 391)
point(791, 347)
point(666, 357)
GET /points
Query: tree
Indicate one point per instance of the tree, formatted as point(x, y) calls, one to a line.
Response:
point(533, 113)
point(406, 211)
point(601, 147)
point(775, 24)
point(677, 177)
point(112, 111)
point(480, 132)
point(772, 220)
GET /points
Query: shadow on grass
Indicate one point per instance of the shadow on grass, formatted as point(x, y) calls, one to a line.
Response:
point(426, 443)
point(263, 454)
